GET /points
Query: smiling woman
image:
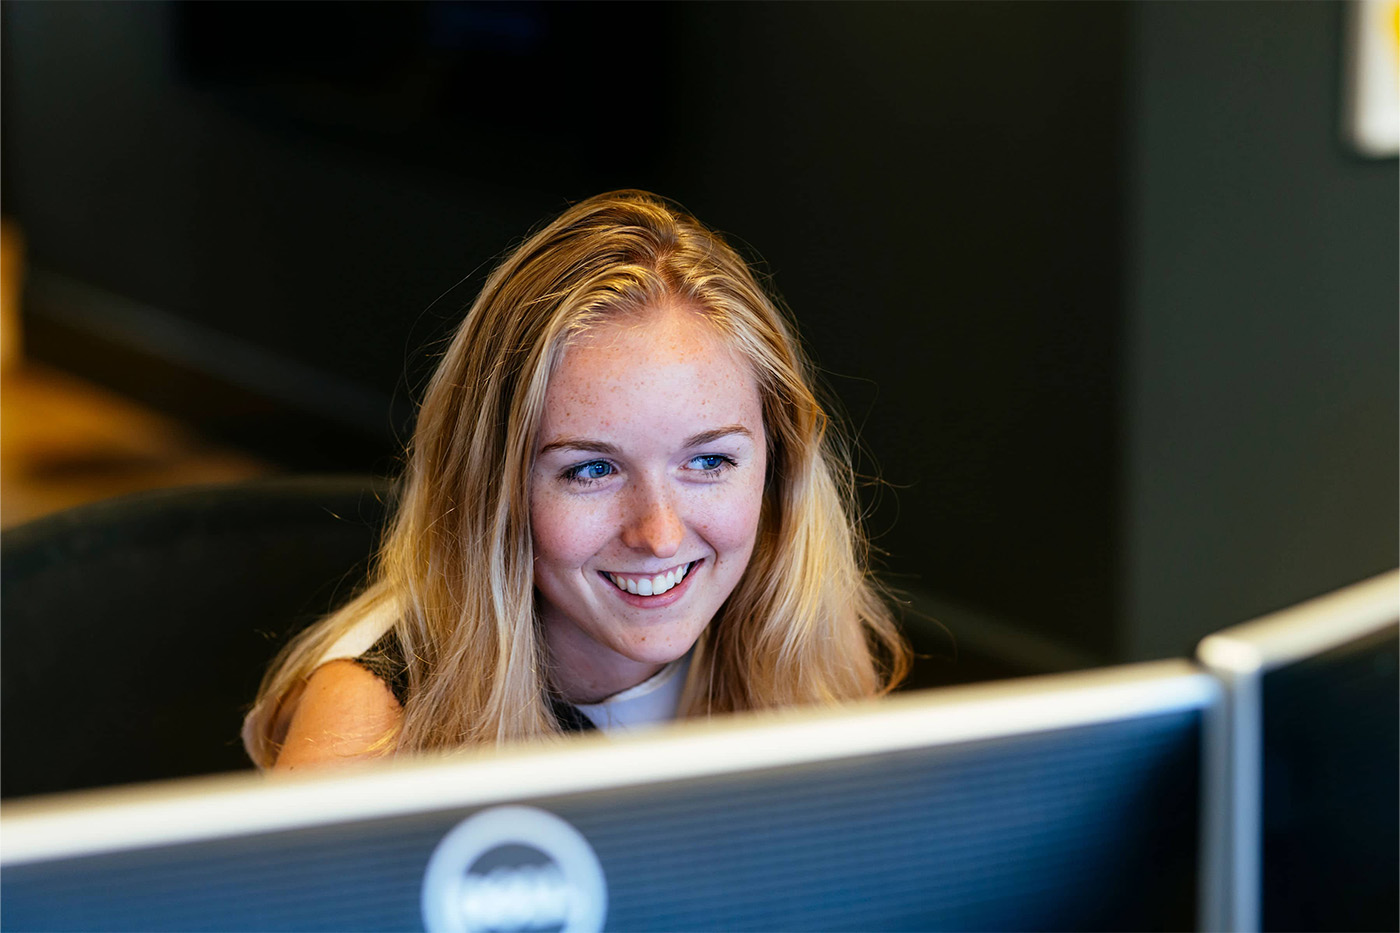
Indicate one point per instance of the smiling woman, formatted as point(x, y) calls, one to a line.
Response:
point(623, 505)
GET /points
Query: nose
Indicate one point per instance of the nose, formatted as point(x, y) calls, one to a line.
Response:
point(652, 523)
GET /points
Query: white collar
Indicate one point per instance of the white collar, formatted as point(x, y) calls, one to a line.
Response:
point(652, 702)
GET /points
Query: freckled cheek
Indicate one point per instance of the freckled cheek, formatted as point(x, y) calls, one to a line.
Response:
point(731, 525)
point(565, 532)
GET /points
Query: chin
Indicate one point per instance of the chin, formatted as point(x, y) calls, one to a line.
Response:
point(659, 653)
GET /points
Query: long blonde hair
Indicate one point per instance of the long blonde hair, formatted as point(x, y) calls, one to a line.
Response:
point(805, 624)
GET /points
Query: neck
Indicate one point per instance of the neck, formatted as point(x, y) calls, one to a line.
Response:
point(585, 672)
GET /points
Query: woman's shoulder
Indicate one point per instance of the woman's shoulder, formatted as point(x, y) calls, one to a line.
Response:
point(345, 713)
point(354, 696)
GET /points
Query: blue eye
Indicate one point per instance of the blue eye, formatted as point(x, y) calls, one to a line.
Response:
point(710, 463)
point(590, 471)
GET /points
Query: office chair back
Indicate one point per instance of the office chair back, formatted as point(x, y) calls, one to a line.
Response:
point(135, 631)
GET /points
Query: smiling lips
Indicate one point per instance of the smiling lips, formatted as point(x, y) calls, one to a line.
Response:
point(653, 585)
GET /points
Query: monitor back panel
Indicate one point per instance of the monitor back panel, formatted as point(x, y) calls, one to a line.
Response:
point(1088, 827)
point(1331, 789)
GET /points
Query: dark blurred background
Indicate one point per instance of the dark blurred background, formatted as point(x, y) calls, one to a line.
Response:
point(1108, 296)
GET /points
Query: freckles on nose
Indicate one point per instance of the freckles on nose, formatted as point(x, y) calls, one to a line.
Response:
point(654, 527)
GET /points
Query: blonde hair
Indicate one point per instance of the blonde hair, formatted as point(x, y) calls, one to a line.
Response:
point(806, 622)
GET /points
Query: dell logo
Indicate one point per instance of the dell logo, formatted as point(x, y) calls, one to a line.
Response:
point(511, 869)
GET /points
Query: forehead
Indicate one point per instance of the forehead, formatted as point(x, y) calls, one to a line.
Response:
point(665, 365)
point(672, 323)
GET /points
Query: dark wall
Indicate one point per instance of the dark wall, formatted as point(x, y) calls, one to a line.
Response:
point(1262, 311)
point(234, 220)
point(1061, 263)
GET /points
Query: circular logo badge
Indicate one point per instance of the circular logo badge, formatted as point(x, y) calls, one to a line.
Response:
point(509, 869)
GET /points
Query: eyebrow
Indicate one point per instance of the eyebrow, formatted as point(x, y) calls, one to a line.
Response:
point(610, 450)
point(579, 443)
point(709, 437)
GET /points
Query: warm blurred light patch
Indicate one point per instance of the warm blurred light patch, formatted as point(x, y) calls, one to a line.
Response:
point(11, 284)
point(65, 441)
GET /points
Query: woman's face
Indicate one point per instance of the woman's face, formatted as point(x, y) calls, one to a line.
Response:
point(644, 497)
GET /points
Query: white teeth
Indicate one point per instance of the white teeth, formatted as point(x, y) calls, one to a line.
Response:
point(650, 586)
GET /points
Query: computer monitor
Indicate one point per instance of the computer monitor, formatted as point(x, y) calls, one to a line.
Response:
point(1067, 802)
point(1308, 837)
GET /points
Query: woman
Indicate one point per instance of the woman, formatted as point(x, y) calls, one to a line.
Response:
point(622, 506)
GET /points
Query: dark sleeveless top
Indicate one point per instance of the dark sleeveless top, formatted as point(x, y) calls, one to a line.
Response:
point(385, 660)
